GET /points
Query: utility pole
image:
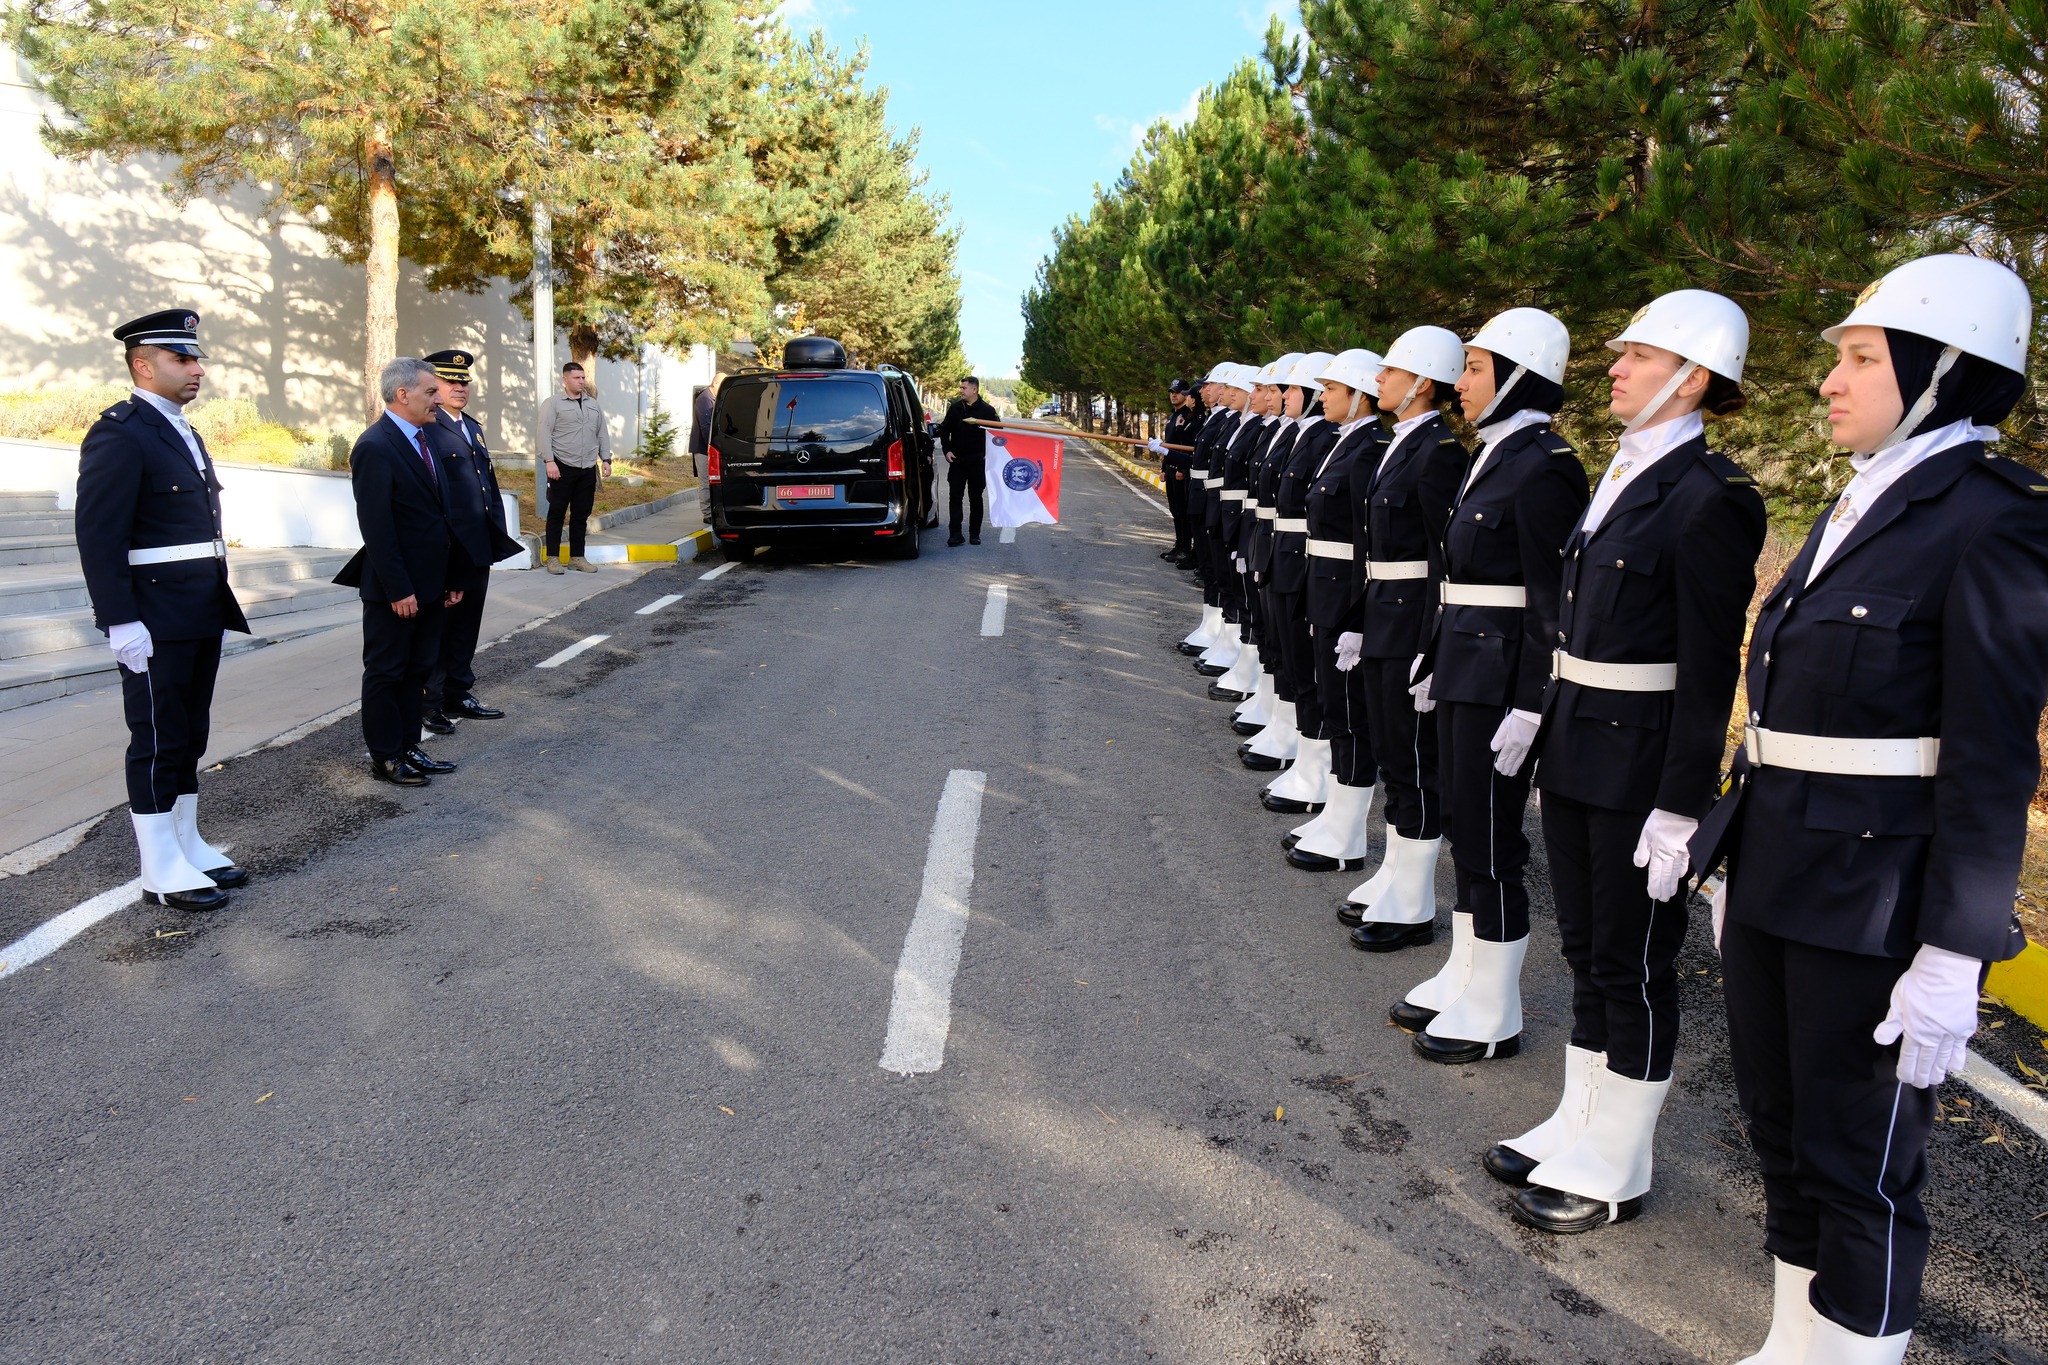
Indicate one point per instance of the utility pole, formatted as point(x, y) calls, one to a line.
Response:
point(543, 285)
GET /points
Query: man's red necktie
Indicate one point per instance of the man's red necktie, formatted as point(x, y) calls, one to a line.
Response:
point(421, 438)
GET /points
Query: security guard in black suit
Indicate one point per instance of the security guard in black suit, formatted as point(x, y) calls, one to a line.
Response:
point(1181, 425)
point(1499, 591)
point(1874, 837)
point(155, 561)
point(1658, 576)
point(476, 517)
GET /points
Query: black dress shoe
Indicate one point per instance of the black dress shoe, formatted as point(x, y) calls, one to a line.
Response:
point(1557, 1211)
point(1260, 763)
point(1226, 693)
point(426, 763)
point(437, 721)
point(1387, 938)
point(1287, 805)
point(1460, 1052)
point(204, 898)
point(1192, 650)
point(1212, 670)
point(974, 539)
point(1509, 1166)
point(1289, 839)
point(1317, 862)
point(227, 878)
point(955, 539)
point(398, 771)
point(469, 708)
point(1351, 913)
point(1169, 554)
point(1412, 1018)
point(1244, 727)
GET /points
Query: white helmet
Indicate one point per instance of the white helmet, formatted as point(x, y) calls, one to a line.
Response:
point(1705, 328)
point(1529, 338)
point(1977, 306)
point(1308, 371)
point(1219, 374)
point(1241, 377)
point(1431, 352)
point(1355, 369)
point(1276, 372)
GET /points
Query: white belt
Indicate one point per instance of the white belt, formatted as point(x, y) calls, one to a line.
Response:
point(1212, 483)
point(1482, 595)
point(1268, 514)
point(1396, 568)
point(1233, 494)
point(1296, 525)
point(1614, 677)
point(1330, 549)
point(1853, 757)
point(171, 554)
point(1198, 473)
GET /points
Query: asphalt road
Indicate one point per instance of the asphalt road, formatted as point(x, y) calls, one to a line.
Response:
point(575, 1056)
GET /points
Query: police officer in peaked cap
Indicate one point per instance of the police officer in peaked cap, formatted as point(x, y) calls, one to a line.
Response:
point(155, 561)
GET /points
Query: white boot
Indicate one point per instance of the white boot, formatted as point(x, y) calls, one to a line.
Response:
point(1411, 891)
point(1338, 833)
point(1583, 1072)
point(1375, 886)
point(1301, 832)
point(1257, 709)
point(1279, 739)
point(1209, 631)
point(1243, 676)
point(1830, 1343)
point(1224, 652)
point(164, 865)
point(1308, 780)
point(1610, 1163)
point(199, 853)
point(1437, 993)
point(1791, 1316)
point(1488, 1011)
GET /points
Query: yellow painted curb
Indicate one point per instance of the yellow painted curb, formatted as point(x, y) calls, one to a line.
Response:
point(2022, 984)
point(650, 554)
point(1133, 467)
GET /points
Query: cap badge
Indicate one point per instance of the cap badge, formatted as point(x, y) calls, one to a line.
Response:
point(1641, 313)
point(1869, 292)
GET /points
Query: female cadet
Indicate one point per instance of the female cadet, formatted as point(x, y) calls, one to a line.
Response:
point(1251, 716)
point(1490, 660)
point(1210, 630)
point(1896, 675)
point(1261, 407)
point(1402, 507)
point(1235, 393)
point(1336, 838)
point(1658, 576)
point(1303, 786)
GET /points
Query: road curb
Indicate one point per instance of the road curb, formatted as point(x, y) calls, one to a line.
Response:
point(692, 546)
point(2021, 985)
point(1133, 468)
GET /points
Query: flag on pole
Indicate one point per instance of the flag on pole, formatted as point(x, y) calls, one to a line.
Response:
point(1023, 478)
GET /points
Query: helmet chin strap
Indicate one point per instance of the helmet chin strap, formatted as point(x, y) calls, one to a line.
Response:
point(1409, 396)
point(1499, 394)
point(1663, 396)
point(1924, 404)
point(1357, 397)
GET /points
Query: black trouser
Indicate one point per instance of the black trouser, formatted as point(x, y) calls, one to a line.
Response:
point(1273, 645)
point(570, 494)
point(1298, 661)
point(1205, 564)
point(1620, 944)
point(1340, 697)
point(1404, 742)
point(1229, 583)
point(1177, 504)
point(969, 476)
point(170, 713)
point(1483, 817)
point(398, 654)
point(454, 675)
point(1842, 1141)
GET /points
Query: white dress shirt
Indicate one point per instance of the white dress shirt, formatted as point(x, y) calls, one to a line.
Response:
point(1875, 473)
point(1401, 430)
point(1493, 433)
point(176, 416)
point(1639, 451)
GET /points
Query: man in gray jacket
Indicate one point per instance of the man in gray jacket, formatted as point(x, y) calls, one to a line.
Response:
point(575, 440)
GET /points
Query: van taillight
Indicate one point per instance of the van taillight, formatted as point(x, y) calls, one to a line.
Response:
point(896, 459)
point(711, 463)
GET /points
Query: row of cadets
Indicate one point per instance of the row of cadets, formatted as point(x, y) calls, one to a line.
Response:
point(1241, 679)
point(1210, 629)
point(1255, 540)
point(1232, 392)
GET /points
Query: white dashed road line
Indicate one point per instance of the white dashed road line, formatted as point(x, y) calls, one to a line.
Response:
point(658, 603)
point(1009, 535)
point(710, 574)
point(998, 605)
point(921, 1010)
point(557, 660)
point(2008, 1094)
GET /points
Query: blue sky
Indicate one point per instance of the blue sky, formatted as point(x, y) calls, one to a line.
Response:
point(1024, 108)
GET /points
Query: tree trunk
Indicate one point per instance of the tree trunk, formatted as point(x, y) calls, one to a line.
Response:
point(380, 269)
point(583, 349)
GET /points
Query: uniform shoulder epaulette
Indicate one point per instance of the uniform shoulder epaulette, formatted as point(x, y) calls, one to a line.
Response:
point(1555, 444)
point(2032, 482)
point(119, 412)
point(1731, 473)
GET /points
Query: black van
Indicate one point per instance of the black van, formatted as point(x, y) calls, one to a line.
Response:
point(814, 449)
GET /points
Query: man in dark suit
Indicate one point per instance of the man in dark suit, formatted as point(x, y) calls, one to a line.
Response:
point(409, 570)
point(965, 445)
point(155, 563)
point(476, 518)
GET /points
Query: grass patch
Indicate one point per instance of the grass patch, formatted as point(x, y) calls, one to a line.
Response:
point(663, 477)
point(232, 428)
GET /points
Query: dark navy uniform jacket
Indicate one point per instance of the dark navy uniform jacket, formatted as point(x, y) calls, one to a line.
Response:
point(1289, 567)
point(1219, 439)
point(408, 547)
point(1930, 619)
point(1507, 529)
point(1265, 487)
point(139, 490)
point(1180, 431)
point(1400, 515)
point(1665, 578)
point(1237, 463)
point(1333, 603)
point(476, 509)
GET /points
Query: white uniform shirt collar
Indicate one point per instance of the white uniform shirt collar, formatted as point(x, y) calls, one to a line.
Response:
point(179, 423)
point(1876, 473)
point(1640, 450)
point(1493, 433)
point(1401, 432)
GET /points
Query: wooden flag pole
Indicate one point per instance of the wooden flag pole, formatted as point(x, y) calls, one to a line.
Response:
point(1062, 431)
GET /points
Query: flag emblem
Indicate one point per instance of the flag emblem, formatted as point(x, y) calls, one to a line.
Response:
point(1021, 476)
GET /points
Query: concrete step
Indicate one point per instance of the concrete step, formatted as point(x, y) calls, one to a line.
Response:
point(247, 568)
point(38, 549)
point(23, 634)
point(45, 523)
point(39, 587)
point(28, 502)
point(28, 588)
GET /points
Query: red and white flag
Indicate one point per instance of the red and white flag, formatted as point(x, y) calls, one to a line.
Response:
point(1023, 478)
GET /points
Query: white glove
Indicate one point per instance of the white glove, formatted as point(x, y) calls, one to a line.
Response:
point(1662, 850)
point(1421, 694)
point(1349, 646)
point(1934, 1005)
point(1157, 447)
point(1242, 567)
point(1719, 903)
point(1513, 740)
point(131, 645)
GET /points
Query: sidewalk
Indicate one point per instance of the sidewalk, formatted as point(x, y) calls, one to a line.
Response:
point(61, 761)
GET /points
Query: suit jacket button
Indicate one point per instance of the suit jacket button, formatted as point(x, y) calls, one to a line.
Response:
point(1568, 596)
point(1859, 612)
point(1619, 565)
point(1479, 516)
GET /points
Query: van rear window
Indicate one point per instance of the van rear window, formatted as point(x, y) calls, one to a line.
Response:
point(773, 413)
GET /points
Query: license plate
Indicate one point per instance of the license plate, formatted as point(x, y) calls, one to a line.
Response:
point(792, 492)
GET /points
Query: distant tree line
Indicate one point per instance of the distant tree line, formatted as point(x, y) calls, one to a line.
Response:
point(1407, 162)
